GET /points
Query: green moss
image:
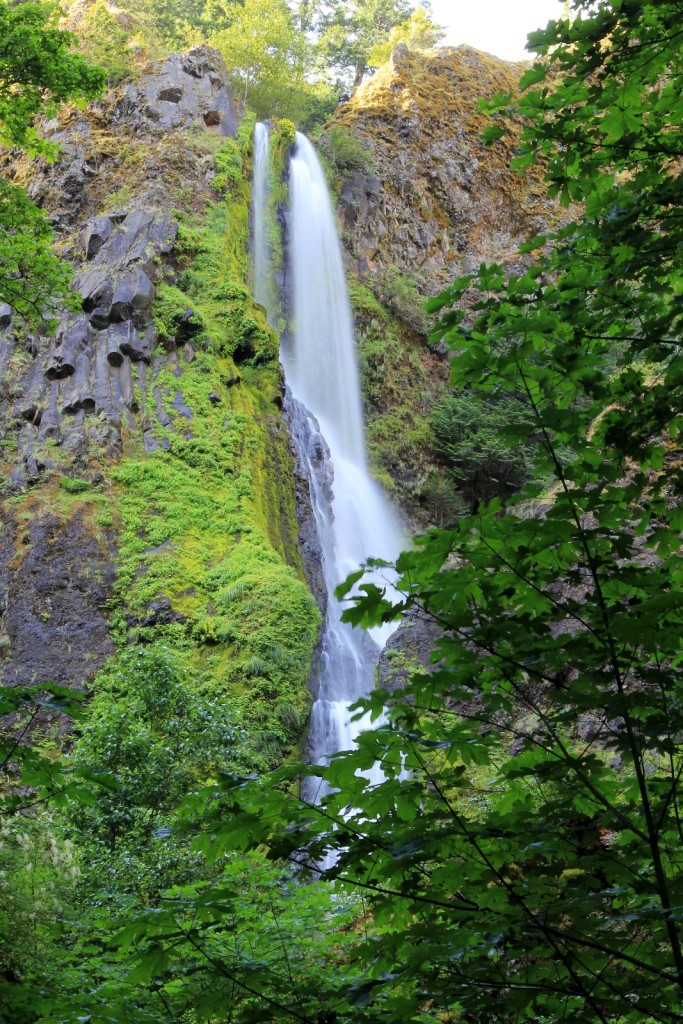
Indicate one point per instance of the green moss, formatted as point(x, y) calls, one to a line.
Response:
point(199, 529)
point(400, 379)
point(73, 485)
point(208, 548)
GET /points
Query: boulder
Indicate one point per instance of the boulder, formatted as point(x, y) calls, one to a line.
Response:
point(94, 235)
point(186, 90)
point(5, 315)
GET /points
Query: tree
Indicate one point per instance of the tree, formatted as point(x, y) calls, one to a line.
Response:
point(523, 859)
point(38, 71)
point(350, 31)
point(419, 32)
point(468, 437)
point(262, 48)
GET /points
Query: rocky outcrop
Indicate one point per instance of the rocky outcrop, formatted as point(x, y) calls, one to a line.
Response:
point(408, 650)
point(421, 202)
point(71, 403)
point(432, 200)
point(134, 143)
point(186, 90)
point(77, 389)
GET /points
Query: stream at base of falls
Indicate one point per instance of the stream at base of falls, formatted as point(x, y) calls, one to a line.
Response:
point(323, 407)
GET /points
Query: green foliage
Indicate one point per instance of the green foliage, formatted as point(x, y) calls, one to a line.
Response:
point(73, 485)
point(36, 893)
point(262, 49)
point(350, 31)
point(469, 434)
point(229, 172)
point(38, 71)
point(418, 32)
point(398, 391)
point(211, 286)
point(344, 151)
point(33, 280)
point(156, 737)
point(107, 41)
point(401, 294)
point(522, 858)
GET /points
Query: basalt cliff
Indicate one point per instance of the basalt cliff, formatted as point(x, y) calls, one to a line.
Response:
point(150, 493)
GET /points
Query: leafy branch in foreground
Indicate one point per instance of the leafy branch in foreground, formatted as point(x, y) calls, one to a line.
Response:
point(523, 858)
point(38, 72)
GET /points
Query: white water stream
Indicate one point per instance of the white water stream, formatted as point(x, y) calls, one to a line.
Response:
point(263, 278)
point(353, 518)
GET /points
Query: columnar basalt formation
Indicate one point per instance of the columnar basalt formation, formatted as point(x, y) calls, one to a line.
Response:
point(135, 410)
point(433, 201)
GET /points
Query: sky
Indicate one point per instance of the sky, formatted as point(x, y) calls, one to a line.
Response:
point(496, 26)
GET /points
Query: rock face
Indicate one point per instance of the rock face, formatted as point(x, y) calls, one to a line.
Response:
point(134, 142)
point(421, 202)
point(433, 202)
point(71, 403)
point(55, 581)
point(185, 88)
point(407, 650)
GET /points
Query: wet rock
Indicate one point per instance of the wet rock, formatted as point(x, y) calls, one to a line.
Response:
point(408, 649)
point(311, 455)
point(160, 612)
point(134, 293)
point(94, 235)
point(5, 315)
point(214, 398)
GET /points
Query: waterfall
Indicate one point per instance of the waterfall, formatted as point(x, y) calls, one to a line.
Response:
point(261, 261)
point(354, 520)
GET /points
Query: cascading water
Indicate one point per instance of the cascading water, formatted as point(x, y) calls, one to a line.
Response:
point(262, 271)
point(353, 518)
